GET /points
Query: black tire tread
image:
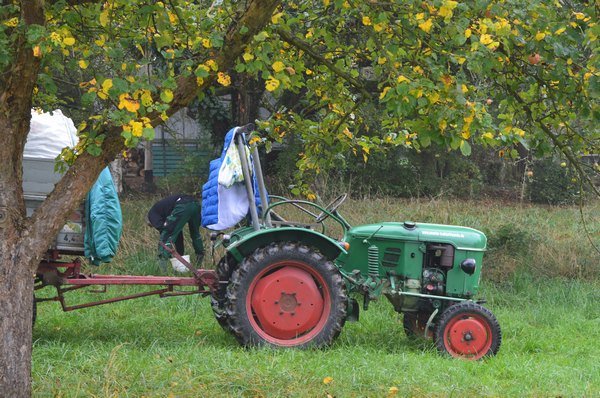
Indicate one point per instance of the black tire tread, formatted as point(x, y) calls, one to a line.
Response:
point(218, 299)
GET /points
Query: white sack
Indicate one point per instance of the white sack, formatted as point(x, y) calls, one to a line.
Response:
point(49, 134)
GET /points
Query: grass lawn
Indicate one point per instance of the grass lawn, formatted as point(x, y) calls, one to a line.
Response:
point(174, 348)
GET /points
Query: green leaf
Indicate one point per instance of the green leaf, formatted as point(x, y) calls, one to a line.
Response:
point(465, 148)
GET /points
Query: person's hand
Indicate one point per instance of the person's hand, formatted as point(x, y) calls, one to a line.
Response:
point(163, 253)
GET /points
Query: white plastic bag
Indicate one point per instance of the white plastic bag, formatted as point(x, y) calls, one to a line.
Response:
point(178, 265)
point(231, 168)
point(48, 134)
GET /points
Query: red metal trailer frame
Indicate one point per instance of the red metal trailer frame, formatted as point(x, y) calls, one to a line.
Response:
point(66, 276)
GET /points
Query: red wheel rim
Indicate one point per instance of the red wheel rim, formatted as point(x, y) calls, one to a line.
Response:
point(468, 335)
point(288, 303)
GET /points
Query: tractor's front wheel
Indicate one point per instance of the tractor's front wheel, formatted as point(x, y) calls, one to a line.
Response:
point(468, 330)
point(286, 295)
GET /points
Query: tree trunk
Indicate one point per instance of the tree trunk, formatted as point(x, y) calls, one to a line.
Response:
point(246, 101)
point(24, 240)
point(16, 303)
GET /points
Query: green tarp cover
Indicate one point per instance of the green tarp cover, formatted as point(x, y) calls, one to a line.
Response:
point(104, 220)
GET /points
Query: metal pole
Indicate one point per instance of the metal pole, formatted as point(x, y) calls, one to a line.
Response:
point(248, 181)
point(262, 190)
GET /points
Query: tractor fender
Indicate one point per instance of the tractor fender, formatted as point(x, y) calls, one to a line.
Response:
point(252, 241)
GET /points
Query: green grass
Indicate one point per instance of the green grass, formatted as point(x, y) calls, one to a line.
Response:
point(173, 347)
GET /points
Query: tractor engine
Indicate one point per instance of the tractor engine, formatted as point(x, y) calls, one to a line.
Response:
point(439, 259)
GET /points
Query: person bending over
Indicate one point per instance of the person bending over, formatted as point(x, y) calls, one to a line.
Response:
point(169, 216)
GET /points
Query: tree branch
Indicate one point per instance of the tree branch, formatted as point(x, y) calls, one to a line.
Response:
point(562, 147)
point(304, 46)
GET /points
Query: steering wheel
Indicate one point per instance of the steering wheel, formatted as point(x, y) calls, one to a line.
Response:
point(331, 207)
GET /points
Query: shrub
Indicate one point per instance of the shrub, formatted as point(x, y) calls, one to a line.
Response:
point(553, 184)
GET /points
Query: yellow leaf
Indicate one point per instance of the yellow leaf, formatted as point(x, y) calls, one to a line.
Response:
point(519, 132)
point(37, 51)
point(125, 101)
point(11, 23)
point(278, 66)
point(540, 36)
point(326, 3)
point(106, 85)
point(560, 31)
point(426, 26)
point(347, 132)
point(447, 80)
point(146, 98)
point(254, 140)
point(224, 79)
point(417, 93)
point(308, 72)
point(442, 125)
point(579, 15)
point(468, 33)
point(366, 20)
point(69, 41)
point(392, 391)
point(212, 64)
point(100, 41)
point(378, 27)
point(465, 133)
point(402, 79)
point(199, 81)
point(381, 60)
point(485, 39)
point(206, 43)
point(271, 84)
point(276, 18)
point(433, 97)
point(104, 17)
point(420, 16)
point(446, 8)
point(248, 57)
point(327, 380)
point(464, 88)
point(167, 95)
point(83, 64)
point(136, 128)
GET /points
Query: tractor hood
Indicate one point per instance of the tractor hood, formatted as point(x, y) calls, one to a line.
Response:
point(460, 237)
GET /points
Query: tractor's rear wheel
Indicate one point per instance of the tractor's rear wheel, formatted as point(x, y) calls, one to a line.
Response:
point(218, 299)
point(414, 324)
point(286, 295)
point(468, 330)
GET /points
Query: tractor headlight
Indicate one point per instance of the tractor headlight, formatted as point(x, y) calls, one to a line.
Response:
point(468, 266)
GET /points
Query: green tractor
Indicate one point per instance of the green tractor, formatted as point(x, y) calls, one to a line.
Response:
point(288, 284)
